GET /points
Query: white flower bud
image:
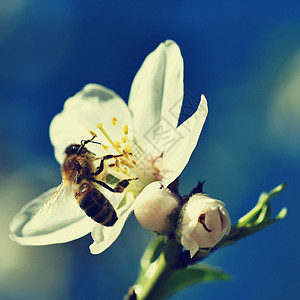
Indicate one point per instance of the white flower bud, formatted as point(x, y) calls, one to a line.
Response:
point(204, 223)
point(155, 206)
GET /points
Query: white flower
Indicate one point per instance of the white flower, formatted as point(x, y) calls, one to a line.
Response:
point(145, 130)
point(155, 205)
point(205, 221)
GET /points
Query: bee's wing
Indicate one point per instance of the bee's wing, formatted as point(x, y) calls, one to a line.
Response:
point(53, 200)
point(53, 217)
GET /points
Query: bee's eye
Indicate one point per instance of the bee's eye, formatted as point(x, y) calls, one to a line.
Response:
point(70, 162)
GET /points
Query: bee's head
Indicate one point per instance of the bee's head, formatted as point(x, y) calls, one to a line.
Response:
point(76, 149)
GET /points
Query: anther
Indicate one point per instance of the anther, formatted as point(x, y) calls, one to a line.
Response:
point(125, 170)
point(114, 121)
point(126, 163)
point(117, 143)
point(117, 163)
point(105, 147)
point(125, 153)
point(127, 148)
point(125, 129)
point(124, 139)
point(92, 133)
point(117, 166)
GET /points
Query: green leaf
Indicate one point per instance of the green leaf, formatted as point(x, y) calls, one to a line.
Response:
point(111, 179)
point(281, 214)
point(192, 275)
point(266, 197)
point(122, 203)
point(262, 210)
point(256, 219)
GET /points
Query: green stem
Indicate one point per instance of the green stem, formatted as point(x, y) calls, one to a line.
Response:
point(151, 285)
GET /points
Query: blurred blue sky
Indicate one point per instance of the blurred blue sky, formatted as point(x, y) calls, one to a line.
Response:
point(243, 55)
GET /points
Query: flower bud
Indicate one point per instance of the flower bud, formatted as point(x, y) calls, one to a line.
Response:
point(155, 205)
point(204, 223)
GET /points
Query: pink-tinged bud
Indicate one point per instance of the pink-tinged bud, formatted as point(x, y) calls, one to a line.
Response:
point(155, 206)
point(204, 223)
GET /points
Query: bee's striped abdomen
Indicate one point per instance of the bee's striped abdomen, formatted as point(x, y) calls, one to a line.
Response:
point(95, 205)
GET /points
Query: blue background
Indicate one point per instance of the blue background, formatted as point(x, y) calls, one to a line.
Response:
point(243, 55)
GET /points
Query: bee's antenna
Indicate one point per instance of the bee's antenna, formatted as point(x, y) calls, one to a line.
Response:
point(84, 142)
point(96, 143)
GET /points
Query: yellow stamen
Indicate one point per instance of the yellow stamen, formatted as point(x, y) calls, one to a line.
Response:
point(104, 147)
point(125, 129)
point(124, 170)
point(126, 163)
point(124, 139)
point(108, 138)
point(117, 163)
point(104, 177)
point(114, 120)
point(92, 133)
point(125, 153)
point(117, 143)
point(127, 148)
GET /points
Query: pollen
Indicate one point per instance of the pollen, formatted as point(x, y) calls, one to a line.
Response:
point(114, 121)
point(117, 143)
point(124, 139)
point(104, 147)
point(125, 129)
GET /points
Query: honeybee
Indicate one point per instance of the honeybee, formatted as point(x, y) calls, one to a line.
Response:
point(79, 176)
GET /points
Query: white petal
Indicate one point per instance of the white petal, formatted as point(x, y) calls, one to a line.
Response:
point(105, 236)
point(200, 203)
point(173, 84)
point(203, 238)
point(213, 222)
point(186, 137)
point(157, 92)
point(226, 222)
point(190, 245)
point(92, 105)
point(64, 223)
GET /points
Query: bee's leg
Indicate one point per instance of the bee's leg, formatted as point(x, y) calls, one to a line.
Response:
point(101, 166)
point(119, 187)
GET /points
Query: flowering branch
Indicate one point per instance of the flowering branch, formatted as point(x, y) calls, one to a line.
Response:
point(132, 165)
point(165, 268)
